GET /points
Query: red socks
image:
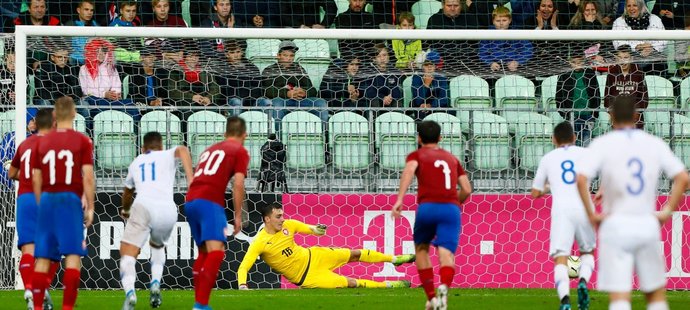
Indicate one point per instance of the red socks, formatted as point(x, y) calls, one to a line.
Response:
point(426, 276)
point(51, 272)
point(26, 270)
point(197, 267)
point(71, 281)
point(447, 274)
point(207, 276)
point(39, 284)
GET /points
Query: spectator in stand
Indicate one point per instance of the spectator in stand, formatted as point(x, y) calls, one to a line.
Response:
point(547, 16)
point(355, 18)
point(57, 78)
point(84, 19)
point(148, 83)
point(578, 98)
point(305, 13)
point(651, 53)
point(566, 10)
point(257, 13)
point(682, 55)
point(625, 79)
point(429, 91)
point(287, 84)
point(239, 81)
point(222, 18)
point(382, 82)
point(386, 11)
point(406, 51)
point(128, 15)
point(190, 84)
point(456, 55)
point(587, 17)
point(35, 16)
point(484, 10)
point(454, 14)
point(7, 77)
point(608, 9)
point(148, 11)
point(340, 85)
point(125, 50)
point(504, 55)
point(162, 16)
point(671, 12)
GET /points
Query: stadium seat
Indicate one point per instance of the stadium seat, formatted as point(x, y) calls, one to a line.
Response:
point(32, 88)
point(262, 52)
point(259, 126)
point(167, 124)
point(603, 124)
point(186, 12)
point(125, 87)
point(79, 123)
point(349, 140)
point(515, 93)
point(533, 139)
point(114, 139)
point(407, 92)
point(302, 134)
point(469, 93)
point(490, 142)
point(7, 121)
point(422, 11)
point(661, 98)
point(314, 56)
point(685, 93)
point(451, 132)
point(680, 141)
point(548, 98)
point(395, 138)
point(343, 5)
point(204, 128)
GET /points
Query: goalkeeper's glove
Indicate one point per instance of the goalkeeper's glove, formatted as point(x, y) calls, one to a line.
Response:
point(243, 287)
point(319, 229)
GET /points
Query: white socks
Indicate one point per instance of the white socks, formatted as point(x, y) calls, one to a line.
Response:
point(560, 277)
point(157, 263)
point(620, 305)
point(128, 272)
point(658, 305)
point(586, 267)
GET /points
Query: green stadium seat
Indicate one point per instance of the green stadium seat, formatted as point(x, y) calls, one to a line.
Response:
point(469, 94)
point(259, 126)
point(314, 56)
point(396, 136)
point(660, 91)
point(32, 88)
point(167, 124)
point(516, 93)
point(186, 12)
point(204, 128)
point(349, 140)
point(302, 134)
point(680, 142)
point(422, 11)
point(548, 98)
point(125, 87)
point(79, 123)
point(603, 124)
point(262, 52)
point(685, 93)
point(533, 139)
point(114, 139)
point(7, 121)
point(490, 142)
point(451, 133)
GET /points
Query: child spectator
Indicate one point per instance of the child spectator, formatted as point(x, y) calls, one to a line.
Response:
point(429, 90)
point(382, 84)
point(406, 50)
point(625, 79)
point(501, 55)
point(340, 85)
point(128, 15)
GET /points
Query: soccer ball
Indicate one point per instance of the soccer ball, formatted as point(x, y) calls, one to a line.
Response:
point(573, 264)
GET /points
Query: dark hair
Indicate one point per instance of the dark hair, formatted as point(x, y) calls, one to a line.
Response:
point(235, 127)
point(44, 118)
point(623, 109)
point(153, 139)
point(123, 4)
point(268, 209)
point(564, 133)
point(624, 48)
point(429, 132)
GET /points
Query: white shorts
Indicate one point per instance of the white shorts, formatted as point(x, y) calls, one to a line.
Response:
point(568, 226)
point(150, 218)
point(627, 244)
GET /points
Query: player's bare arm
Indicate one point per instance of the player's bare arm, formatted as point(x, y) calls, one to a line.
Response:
point(405, 181)
point(89, 181)
point(127, 200)
point(238, 200)
point(540, 193)
point(182, 152)
point(680, 183)
point(13, 173)
point(37, 182)
point(465, 188)
point(583, 190)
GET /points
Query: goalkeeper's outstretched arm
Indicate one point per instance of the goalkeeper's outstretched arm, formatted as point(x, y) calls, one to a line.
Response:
point(247, 262)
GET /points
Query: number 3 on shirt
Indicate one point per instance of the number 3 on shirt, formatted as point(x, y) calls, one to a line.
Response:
point(446, 171)
point(212, 160)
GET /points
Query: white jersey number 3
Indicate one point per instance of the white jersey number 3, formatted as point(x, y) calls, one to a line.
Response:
point(446, 171)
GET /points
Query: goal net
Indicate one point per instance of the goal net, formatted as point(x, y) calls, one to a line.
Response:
point(344, 106)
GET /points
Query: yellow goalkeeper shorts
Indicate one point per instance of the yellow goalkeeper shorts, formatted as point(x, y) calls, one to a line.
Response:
point(321, 265)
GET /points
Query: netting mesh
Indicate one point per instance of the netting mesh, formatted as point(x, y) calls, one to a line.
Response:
point(330, 123)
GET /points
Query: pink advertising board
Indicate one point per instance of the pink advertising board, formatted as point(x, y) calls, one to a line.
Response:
point(504, 239)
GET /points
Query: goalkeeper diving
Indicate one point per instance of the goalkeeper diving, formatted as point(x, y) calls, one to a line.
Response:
point(309, 267)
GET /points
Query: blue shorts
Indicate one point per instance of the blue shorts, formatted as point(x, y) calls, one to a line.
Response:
point(27, 218)
point(61, 222)
point(439, 220)
point(207, 221)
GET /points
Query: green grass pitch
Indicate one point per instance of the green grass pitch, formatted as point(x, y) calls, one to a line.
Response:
point(359, 299)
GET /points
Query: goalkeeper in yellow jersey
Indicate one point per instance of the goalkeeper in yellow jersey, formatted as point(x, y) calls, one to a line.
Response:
point(309, 267)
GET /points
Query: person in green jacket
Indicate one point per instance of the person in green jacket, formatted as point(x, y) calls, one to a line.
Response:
point(406, 50)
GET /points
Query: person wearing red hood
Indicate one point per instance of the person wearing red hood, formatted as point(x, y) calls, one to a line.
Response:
point(625, 79)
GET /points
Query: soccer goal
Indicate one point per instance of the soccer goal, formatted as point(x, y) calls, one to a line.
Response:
point(344, 105)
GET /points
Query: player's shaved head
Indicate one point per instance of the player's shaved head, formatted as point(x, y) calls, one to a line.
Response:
point(64, 109)
point(623, 110)
point(236, 127)
point(563, 133)
point(429, 132)
point(44, 119)
point(153, 141)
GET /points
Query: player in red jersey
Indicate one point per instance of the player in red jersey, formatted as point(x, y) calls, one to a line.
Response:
point(63, 172)
point(205, 206)
point(27, 209)
point(438, 215)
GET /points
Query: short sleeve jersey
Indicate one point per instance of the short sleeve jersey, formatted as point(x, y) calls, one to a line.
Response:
point(22, 162)
point(629, 163)
point(437, 175)
point(217, 165)
point(559, 167)
point(60, 157)
point(153, 175)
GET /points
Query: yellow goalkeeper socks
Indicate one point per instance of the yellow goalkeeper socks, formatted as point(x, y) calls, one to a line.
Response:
point(371, 284)
point(369, 256)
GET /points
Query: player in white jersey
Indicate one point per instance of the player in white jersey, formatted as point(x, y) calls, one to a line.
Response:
point(569, 221)
point(153, 213)
point(629, 163)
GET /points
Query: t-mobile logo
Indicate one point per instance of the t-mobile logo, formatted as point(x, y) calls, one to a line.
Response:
point(389, 240)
